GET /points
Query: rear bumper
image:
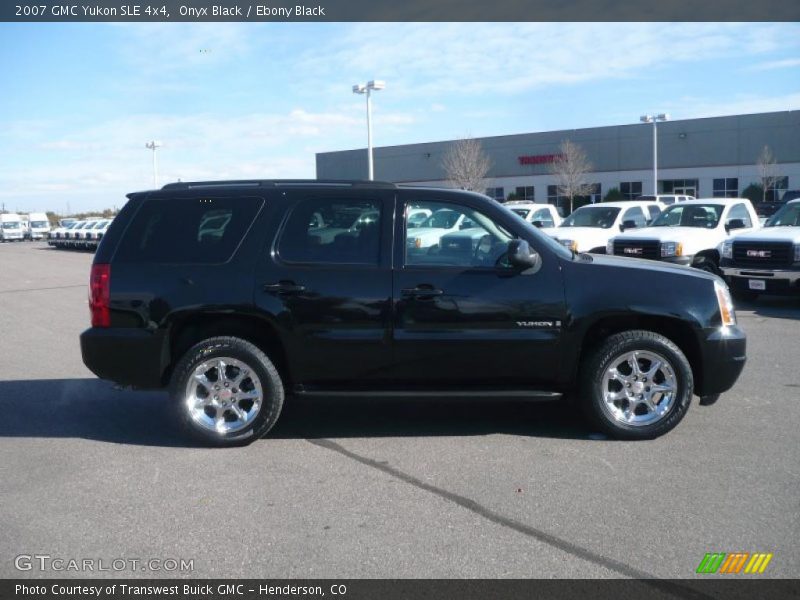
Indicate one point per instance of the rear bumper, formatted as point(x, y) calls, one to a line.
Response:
point(724, 355)
point(132, 357)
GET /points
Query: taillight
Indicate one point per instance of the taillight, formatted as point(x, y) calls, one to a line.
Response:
point(99, 286)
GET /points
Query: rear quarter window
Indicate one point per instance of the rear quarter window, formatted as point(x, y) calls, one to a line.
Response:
point(188, 230)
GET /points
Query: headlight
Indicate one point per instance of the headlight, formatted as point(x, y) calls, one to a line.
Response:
point(797, 253)
point(727, 250)
point(671, 249)
point(414, 243)
point(571, 244)
point(725, 304)
point(610, 247)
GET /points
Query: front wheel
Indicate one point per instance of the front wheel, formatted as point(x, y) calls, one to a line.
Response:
point(226, 391)
point(636, 385)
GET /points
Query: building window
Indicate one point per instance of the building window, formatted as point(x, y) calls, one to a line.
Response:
point(631, 189)
point(686, 187)
point(525, 193)
point(497, 193)
point(726, 187)
point(776, 190)
point(560, 202)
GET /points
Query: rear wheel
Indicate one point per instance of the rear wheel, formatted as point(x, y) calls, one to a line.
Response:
point(226, 392)
point(636, 385)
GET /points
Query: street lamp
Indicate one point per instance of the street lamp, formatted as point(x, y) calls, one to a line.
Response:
point(367, 89)
point(154, 145)
point(654, 120)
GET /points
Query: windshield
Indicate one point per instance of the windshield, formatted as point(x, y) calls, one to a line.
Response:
point(705, 216)
point(592, 216)
point(39, 224)
point(442, 219)
point(522, 212)
point(11, 225)
point(787, 216)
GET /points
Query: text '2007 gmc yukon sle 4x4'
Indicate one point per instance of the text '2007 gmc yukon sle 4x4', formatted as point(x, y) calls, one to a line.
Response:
point(284, 295)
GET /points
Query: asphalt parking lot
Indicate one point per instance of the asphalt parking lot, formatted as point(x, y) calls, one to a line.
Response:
point(380, 489)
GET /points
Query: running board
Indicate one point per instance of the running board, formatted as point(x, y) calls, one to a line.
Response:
point(497, 393)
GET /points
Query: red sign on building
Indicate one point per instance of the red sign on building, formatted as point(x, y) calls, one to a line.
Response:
point(538, 159)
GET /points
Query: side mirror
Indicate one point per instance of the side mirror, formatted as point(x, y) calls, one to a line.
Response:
point(539, 224)
point(521, 255)
point(735, 224)
point(629, 224)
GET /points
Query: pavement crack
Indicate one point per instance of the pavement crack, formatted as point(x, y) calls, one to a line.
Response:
point(60, 287)
point(670, 587)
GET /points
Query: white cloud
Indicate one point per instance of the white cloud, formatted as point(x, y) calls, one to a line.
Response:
point(689, 107)
point(788, 63)
point(109, 157)
point(500, 58)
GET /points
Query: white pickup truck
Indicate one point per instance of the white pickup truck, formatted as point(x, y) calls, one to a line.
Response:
point(589, 228)
point(766, 261)
point(543, 216)
point(689, 232)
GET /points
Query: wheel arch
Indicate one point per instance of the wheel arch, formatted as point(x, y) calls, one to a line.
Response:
point(186, 331)
point(711, 254)
point(679, 331)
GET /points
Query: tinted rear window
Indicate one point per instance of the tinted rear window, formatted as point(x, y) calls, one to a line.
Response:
point(187, 230)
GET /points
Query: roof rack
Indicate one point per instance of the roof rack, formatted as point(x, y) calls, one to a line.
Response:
point(189, 185)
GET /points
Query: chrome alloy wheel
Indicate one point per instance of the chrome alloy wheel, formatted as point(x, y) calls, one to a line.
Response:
point(639, 387)
point(223, 395)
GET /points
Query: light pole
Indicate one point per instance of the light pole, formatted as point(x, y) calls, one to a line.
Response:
point(154, 145)
point(654, 119)
point(367, 89)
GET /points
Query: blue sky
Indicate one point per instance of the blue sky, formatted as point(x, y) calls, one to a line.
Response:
point(244, 100)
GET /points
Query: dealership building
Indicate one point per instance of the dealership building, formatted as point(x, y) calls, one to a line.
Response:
point(706, 157)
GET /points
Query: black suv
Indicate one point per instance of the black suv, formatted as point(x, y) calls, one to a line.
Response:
point(235, 294)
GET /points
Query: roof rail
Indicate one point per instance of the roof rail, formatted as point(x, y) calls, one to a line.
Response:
point(189, 185)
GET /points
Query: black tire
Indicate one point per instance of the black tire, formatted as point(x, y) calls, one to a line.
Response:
point(707, 265)
point(595, 365)
point(255, 360)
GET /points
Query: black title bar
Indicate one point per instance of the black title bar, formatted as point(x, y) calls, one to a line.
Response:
point(401, 10)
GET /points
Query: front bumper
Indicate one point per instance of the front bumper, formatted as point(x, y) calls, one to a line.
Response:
point(724, 353)
point(134, 357)
point(780, 281)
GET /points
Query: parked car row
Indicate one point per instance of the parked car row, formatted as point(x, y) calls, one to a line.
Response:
point(723, 236)
point(79, 235)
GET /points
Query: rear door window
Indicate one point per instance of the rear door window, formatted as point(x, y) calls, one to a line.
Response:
point(332, 230)
point(188, 230)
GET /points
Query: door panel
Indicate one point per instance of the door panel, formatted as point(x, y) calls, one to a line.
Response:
point(328, 282)
point(458, 324)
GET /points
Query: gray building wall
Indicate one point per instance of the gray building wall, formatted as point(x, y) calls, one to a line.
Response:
point(691, 143)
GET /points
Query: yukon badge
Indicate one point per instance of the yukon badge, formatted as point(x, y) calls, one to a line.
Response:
point(539, 324)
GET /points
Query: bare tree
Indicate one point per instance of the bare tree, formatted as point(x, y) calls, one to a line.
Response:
point(571, 167)
point(767, 170)
point(466, 165)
